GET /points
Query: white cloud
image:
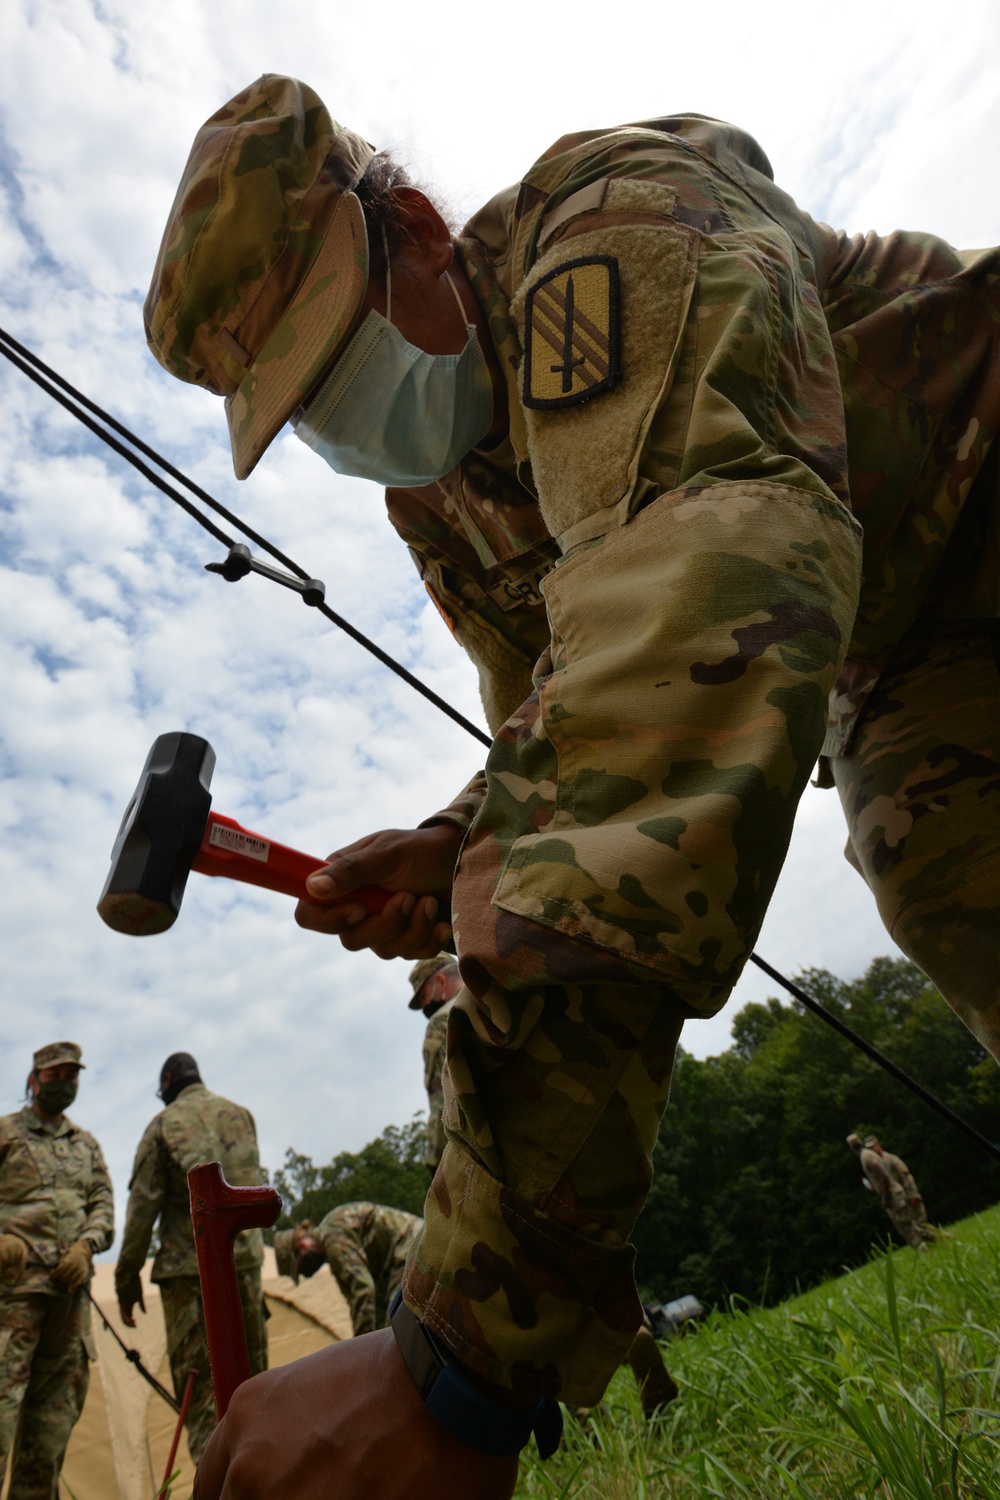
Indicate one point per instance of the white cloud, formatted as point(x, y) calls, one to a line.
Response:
point(110, 631)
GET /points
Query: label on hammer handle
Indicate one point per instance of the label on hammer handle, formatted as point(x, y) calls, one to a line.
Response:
point(237, 842)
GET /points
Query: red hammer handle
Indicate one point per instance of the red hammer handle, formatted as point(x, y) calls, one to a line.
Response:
point(218, 1213)
point(231, 850)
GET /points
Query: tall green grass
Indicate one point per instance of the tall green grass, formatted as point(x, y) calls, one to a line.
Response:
point(882, 1385)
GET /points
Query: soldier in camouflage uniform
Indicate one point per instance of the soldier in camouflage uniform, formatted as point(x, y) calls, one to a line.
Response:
point(891, 1178)
point(648, 551)
point(435, 983)
point(366, 1246)
point(195, 1127)
point(56, 1213)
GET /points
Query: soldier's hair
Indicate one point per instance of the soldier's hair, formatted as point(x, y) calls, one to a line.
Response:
point(179, 1070)
point(382, 209)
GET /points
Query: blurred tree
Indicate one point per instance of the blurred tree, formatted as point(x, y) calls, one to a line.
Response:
point(388, 1170)
point(755, 1191)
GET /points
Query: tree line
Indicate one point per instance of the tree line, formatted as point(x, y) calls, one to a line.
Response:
point(755, 1193)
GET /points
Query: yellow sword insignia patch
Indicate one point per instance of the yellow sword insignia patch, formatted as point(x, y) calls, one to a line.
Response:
point(571, 333)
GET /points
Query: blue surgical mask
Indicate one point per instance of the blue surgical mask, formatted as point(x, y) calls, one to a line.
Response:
point(393, 413)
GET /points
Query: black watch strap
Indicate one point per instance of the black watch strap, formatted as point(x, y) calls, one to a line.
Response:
point(461, 1409)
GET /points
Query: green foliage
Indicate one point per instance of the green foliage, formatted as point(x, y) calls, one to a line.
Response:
point(883, 1385)
point(755, 1192)
point(388, 1170)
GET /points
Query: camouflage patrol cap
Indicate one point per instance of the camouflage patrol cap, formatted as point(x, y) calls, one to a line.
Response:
point(56, 1053)
point(264, 260)
point(426, 969)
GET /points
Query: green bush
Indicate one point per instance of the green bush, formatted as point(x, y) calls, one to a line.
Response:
point(755, 1192)
point(388, 1170)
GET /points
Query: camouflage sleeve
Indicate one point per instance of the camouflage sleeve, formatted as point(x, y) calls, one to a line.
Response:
point(99, 1225)
point(463, 810)
point(347, 1262)
point(147, 1192)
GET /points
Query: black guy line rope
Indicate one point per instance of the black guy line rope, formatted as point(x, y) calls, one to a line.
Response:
point(48, 380)
point(132, 1355)
point(53, 384)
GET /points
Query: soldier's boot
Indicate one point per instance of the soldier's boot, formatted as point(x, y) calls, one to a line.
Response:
point(657, 1388)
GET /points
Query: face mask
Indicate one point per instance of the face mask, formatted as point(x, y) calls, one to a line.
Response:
point(56, 1096)
point(393, 413)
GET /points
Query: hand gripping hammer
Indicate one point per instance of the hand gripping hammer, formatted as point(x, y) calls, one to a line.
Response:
point(169, 829)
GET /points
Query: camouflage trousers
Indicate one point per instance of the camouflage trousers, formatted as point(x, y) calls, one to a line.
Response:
point(45, 1344)
point(187, 1347)
point(921, 793)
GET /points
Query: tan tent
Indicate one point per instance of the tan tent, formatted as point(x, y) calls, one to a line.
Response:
point(119, 1447)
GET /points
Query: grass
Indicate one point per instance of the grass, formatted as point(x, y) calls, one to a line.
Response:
point(881, 1385)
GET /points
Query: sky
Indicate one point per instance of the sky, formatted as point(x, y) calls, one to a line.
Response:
point(875, 116)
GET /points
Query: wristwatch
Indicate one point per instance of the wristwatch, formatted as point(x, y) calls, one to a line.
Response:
point(461, 1409)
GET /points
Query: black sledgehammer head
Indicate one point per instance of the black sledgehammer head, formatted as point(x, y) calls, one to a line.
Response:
point(160, 835)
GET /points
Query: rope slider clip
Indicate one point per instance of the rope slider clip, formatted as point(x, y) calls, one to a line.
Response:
point(241, 561)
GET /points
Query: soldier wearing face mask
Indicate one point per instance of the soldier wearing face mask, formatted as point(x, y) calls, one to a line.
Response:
point(56, 1211)
point(623, 418)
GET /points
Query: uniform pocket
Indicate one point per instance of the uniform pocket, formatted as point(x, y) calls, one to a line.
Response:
point(693, 651)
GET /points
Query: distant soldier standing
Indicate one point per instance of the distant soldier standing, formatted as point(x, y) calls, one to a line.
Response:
point(891, 1178)
point(195, 1127)
point(56, 1212)
point(436, 982)
point(366, 1245)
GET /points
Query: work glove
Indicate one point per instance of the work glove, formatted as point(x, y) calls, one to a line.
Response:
point(13, 1258)
point(75, 1267)
point(130, 1293)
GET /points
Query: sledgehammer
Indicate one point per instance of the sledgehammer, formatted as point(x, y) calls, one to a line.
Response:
point(169, 829)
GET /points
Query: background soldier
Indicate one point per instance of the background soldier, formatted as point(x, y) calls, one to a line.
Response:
point(366, 1245)
point(890, 1177)
point(56, 1211)
point(195, 1127)
point(436, 982)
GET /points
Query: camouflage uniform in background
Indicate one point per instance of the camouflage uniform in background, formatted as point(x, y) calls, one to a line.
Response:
point(899, 1195)
point(366, 1245)
point(435, 1053)
point(657, 573)
point(54, 1190)
point(197, 1127)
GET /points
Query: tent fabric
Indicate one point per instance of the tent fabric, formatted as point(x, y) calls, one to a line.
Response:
point(120, 1445)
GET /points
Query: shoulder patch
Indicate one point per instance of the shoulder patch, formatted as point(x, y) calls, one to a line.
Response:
point(571, 333)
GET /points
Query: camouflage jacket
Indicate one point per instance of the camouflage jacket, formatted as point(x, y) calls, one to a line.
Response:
point(54, 1189)
point(915, 328)
point(890, 1177)
point(367, 1245)
point(435, 1052)
point(197, 1127)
